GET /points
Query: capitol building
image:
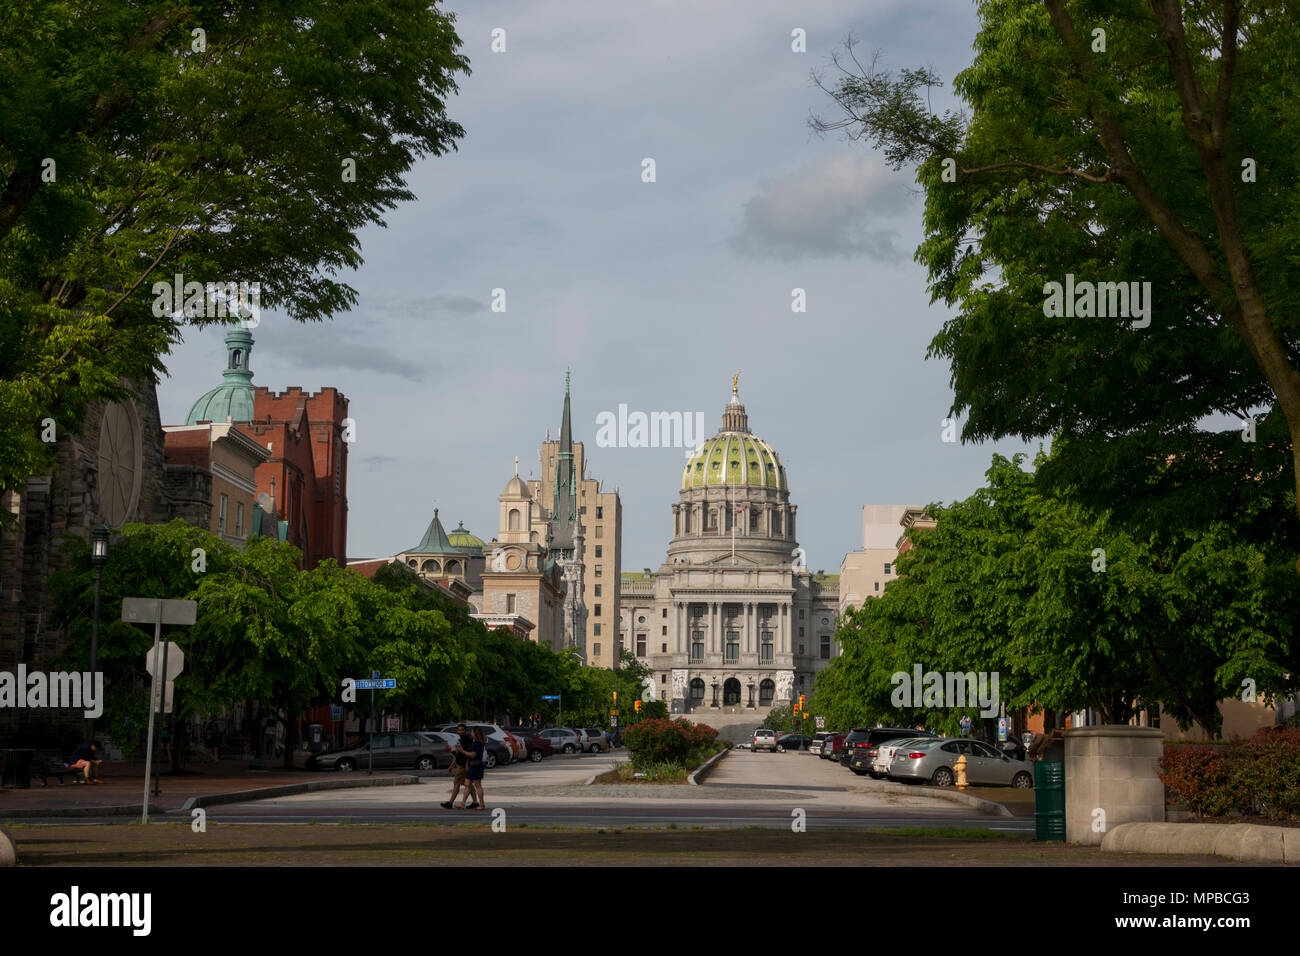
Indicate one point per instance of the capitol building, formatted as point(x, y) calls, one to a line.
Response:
point(733, 621)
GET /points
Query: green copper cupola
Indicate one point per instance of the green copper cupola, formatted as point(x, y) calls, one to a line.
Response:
point(233, 398)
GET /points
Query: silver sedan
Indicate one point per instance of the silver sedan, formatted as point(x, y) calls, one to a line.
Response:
point(935, 760)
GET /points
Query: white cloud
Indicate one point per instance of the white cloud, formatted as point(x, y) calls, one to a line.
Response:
point(831, 208)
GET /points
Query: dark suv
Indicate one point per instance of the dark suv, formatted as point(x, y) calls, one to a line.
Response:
point(861, 743)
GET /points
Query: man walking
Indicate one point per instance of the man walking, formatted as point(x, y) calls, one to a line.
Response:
point(460, 766)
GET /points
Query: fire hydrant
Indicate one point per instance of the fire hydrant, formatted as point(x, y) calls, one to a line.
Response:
point(960, 767)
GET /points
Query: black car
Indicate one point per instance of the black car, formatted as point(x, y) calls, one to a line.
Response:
point(861, 743)
point(793, 741)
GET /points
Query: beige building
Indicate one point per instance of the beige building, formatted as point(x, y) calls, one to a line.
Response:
point(732, 621)
point(864, 574)
point(231, 457)
point(601, 516)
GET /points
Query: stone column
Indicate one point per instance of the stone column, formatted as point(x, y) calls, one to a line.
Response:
point(1112, 768)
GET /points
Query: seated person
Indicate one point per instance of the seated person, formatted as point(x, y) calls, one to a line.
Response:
point(86, 759)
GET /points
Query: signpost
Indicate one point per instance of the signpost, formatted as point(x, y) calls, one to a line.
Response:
point(1002, 729)
point(560, 698)
point(160, 612)
point(372, 684)
point(965, 726)
point(821, 722)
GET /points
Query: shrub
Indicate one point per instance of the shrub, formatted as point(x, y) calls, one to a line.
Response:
point(1259, 776)
point(666, 741)
point(1201, 776)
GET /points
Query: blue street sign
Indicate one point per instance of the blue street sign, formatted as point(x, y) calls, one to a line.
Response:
point(387, 684)
point(550, 697)
point(336, 713)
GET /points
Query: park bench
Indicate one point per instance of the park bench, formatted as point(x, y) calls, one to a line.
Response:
point(50, 763)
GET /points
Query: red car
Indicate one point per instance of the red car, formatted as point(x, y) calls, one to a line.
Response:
point(833, 746)
point(536, 745)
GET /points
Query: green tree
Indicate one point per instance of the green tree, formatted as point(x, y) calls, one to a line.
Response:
point(1012, 581)
point(212, 139)
point(1115, 140)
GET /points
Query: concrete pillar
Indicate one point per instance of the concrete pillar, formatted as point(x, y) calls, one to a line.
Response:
point(1112, 768)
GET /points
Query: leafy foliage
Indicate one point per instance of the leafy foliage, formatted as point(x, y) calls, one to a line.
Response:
point(130, 151)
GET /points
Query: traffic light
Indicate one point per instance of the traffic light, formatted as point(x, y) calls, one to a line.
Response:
point(801, 702)
point(616, 697)
point(637, 706)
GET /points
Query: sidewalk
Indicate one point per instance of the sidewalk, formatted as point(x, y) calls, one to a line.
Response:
point(123, 787)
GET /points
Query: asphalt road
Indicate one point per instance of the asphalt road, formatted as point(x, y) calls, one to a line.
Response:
point(746, 790)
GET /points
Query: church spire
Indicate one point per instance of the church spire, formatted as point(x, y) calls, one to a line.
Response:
point(564, 512)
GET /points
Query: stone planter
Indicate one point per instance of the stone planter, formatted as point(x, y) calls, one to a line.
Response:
point(1112, 768)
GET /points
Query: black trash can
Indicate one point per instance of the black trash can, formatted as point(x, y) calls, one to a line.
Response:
point(17, 771)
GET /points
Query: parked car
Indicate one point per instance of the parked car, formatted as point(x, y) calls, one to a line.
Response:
point(535, 745)
point(793, 742)
point(934, 760)
point(593, 740)
point(390, 751)
point(493, 733)
point(818, 739)
point(764, 739)
point(562, 739)
point(832, 746)
point(877, 766)
point(862, 742)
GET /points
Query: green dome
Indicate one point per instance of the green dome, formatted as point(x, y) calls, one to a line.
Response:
point(462, 540)
point(233, 398)
point(734, 458)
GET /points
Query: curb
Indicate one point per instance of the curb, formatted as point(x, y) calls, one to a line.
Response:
point(8, 849)
point(1249, 842)
point(288, 790)
point(110, 811)
point(704, 770)
point(983, 806)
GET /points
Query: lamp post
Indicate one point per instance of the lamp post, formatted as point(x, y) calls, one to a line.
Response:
point(98, 558)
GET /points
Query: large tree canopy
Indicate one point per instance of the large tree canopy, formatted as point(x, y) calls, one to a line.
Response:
point(1072, 611)
point(216, 139)
point(1133, 141)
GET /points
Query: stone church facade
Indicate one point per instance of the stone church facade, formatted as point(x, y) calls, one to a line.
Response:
point(732, 622)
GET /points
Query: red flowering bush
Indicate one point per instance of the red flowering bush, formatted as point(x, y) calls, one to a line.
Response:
point(1259, 776)
point(667, 741)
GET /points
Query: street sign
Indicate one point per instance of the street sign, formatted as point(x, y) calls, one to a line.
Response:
point(550, 697)
point(613, 713)
point(168, 702)
point(1002, 729)
point(336, 712)
point(147, 611)
point(613, 721)
point(821, 722)
point(394, 724)
point(174, 656)
point(965, 726)
point(364, 684)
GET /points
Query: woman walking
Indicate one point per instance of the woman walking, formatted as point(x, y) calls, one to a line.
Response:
point(474, 776)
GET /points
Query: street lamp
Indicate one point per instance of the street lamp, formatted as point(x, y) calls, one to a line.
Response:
point(98, 558)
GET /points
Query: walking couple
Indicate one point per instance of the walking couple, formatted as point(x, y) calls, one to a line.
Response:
point(468, 768)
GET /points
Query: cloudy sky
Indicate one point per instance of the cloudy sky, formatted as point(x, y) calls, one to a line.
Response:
point(654, 294)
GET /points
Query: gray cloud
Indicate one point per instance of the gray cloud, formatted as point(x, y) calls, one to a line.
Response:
point(830, 208)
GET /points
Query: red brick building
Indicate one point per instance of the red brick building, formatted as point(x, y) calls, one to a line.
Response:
point(304, 481)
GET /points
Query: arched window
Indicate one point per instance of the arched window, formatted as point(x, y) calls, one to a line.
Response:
point(713, 520)
point(235, 356)
point(453, 567)
point(429, 567)
point(731, 691)
point(697, 689)
point(512, 522)
point(410, 563)
point(765, 691)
